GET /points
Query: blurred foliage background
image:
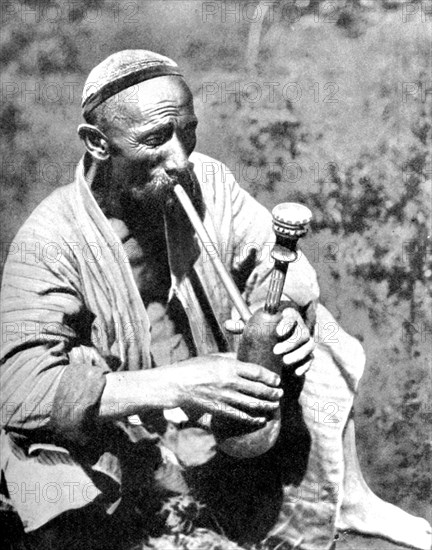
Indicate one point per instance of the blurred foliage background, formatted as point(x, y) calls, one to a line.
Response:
point(325, 102)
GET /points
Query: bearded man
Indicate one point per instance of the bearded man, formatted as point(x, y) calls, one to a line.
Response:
point(113, 314)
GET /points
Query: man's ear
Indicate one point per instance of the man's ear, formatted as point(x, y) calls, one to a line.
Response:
point(95, 141)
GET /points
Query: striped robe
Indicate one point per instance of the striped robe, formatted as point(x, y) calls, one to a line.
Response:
point(71, 312)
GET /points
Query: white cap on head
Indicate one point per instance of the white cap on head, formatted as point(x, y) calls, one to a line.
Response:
point(120, 71)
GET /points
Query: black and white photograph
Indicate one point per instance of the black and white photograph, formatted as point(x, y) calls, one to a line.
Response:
point(216, 275)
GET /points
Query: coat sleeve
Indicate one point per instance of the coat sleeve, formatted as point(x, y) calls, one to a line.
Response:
point(52, 378)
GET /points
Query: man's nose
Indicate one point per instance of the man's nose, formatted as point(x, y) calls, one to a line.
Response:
point(177, 159)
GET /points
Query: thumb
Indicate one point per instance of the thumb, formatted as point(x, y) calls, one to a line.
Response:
point(234, 325)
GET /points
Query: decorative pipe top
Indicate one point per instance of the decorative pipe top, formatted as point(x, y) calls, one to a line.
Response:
point(291, 219)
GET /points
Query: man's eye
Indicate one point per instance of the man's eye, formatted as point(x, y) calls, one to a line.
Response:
point(154, 141)
point(158, 138)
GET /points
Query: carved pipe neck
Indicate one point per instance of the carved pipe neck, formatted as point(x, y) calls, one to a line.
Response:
point(282, 255)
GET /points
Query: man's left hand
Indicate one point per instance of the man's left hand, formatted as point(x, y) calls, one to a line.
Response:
point(297, 344)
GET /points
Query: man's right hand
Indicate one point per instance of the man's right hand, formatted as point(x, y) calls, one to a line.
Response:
point(225, 387)
point(215, 384)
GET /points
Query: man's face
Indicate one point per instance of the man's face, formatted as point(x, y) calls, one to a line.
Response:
point(151, 141)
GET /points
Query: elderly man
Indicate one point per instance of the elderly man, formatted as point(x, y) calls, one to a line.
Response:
point(114, 310)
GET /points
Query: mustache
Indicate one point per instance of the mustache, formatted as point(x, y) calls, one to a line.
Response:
point(143, 196)
point(159, 188)
point(156, 196)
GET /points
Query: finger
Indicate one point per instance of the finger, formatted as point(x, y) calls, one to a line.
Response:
point(294, 341)
point(256, 373)
point(290, 319)
point(232, 413)
point(304, 368)
point(299, 354)
point(234, 326)
point(286, 328)
point(262, 391)
point(248, 404)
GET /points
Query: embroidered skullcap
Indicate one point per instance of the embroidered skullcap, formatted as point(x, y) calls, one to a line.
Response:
point(120, 71)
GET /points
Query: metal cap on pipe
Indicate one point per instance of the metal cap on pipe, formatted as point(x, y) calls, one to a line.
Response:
point(291, 219)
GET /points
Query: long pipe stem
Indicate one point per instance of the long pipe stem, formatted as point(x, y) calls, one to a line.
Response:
point(221, 270)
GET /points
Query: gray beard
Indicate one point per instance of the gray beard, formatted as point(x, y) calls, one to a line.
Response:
point(156, 197)
point(153, 197)
point(137, 203)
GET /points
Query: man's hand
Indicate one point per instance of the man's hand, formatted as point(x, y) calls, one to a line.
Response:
point(297, 344)
point(214, 384)
point(225, 387)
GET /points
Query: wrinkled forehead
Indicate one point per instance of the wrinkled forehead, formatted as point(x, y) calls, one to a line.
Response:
point(170, 91)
